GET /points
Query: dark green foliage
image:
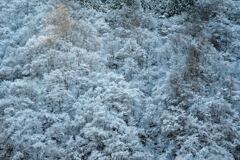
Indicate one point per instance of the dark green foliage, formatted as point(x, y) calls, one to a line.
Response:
point(168, 7)
point(178, 6)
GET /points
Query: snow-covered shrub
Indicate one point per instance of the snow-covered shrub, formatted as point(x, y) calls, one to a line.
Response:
point(85, 36)
point(60, 24)
point(108, 79)
point(205, 10)
point(220, 35)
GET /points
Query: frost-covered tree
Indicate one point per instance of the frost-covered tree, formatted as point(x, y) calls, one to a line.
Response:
point(107, 79)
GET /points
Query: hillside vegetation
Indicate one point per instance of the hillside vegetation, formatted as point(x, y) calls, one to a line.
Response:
point(120, 80)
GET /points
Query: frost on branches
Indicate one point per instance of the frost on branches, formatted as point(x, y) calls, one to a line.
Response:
point(119, 80)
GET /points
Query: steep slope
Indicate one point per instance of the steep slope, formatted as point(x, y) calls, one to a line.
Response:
point(119, 80)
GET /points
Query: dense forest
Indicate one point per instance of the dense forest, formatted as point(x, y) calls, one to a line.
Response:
point(119, 80)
